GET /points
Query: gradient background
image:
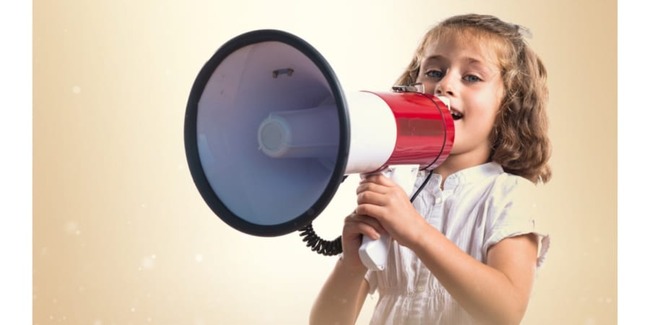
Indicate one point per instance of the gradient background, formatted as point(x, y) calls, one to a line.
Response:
point(122, 236)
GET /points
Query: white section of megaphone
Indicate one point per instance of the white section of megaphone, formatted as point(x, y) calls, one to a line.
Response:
point(309, 133)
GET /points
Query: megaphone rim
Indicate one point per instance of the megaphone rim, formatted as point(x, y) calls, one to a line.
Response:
point(191, 141)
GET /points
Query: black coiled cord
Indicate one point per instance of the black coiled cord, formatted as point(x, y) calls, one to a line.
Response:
point(319, 245)
point(335, 247)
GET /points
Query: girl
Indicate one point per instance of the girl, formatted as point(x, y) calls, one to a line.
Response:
point(466, 250)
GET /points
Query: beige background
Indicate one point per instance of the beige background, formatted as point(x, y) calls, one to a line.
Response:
point(122, 236)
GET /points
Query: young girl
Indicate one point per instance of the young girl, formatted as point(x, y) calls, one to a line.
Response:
point(466, 250)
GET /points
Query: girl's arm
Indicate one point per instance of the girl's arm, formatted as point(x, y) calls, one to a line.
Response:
point(494, 293)
point(345, 291)
point(341, 298)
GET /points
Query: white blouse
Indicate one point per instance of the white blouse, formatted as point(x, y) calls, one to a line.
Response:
point(478, 207)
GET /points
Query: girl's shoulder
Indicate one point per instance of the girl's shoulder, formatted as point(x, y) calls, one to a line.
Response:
point(499, 187)
point(510, 182)
point(492, 176)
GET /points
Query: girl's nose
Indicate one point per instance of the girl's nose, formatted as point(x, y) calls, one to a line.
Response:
point(443, 90)
point(444, 87)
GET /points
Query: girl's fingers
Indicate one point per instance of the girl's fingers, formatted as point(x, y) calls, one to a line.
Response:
point(377, 178)
point(373, 210)
point(378, 184)
point(367, 197)
point(364, 225)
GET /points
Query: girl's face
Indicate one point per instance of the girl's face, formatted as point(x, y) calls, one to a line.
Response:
point(462, 70)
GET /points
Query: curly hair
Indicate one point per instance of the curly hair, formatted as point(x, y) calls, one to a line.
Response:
point(519, 138)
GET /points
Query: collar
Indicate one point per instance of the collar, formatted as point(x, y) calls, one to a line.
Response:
point(469, 175)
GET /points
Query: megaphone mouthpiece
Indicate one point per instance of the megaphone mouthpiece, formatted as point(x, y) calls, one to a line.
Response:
point(300, 133)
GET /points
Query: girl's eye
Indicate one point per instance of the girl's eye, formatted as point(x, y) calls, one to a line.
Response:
point(436, 74)
point(471, 78)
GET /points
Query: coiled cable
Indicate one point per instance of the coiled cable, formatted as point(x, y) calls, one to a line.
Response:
point(335, 247)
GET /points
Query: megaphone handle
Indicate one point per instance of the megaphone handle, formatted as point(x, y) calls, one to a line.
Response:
point(374, 253)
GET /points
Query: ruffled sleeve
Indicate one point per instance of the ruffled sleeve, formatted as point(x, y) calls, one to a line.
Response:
point(513, 211)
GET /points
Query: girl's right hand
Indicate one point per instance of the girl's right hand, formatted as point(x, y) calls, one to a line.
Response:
point(355, 227)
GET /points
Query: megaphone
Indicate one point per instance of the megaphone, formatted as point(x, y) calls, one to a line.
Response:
point(270, 134)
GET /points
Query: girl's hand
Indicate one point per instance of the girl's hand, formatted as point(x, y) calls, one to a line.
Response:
point(354, 228)
point(383, 200)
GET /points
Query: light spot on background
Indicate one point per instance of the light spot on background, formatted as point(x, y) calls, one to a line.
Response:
point(148, 262)
point(72, 228)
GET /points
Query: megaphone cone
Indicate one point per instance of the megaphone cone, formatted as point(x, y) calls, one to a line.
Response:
point(270, 134)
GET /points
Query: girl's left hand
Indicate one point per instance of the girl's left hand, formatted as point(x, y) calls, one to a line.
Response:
point(381, 198)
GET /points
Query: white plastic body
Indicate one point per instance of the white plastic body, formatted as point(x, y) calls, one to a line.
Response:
point(373, 132)
point(312, 132)
point(374, 253)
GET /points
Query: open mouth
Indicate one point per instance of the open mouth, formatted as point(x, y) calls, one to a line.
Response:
point(456, 115)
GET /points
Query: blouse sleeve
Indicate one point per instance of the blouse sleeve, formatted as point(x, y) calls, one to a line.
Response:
point(514, 212)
